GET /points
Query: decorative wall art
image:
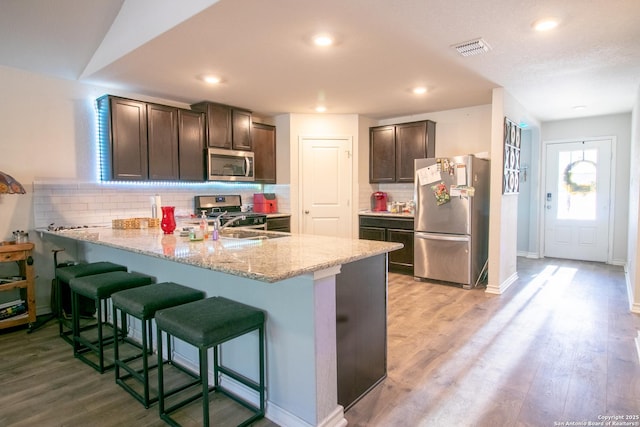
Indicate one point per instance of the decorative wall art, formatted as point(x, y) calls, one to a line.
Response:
point(511, 175)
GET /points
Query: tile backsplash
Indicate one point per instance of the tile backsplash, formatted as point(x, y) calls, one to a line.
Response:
point(398, 192)
point(84, 203)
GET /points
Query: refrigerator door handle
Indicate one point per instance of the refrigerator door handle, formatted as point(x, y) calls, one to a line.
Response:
point(447, 237)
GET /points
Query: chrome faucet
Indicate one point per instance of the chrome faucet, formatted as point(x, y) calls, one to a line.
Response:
point(230, 222)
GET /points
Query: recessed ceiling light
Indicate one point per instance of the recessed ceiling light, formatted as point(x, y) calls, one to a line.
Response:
point(212, 80)
point(419, 90)
point(321, 109)
point(579, 107)
point(322, 40)
point(545, 24)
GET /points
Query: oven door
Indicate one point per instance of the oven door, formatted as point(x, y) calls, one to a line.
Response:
point(230, 165)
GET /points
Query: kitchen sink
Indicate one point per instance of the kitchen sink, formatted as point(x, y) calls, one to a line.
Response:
point(247, 234)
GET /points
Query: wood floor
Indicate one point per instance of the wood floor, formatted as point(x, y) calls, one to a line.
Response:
point(557, 347)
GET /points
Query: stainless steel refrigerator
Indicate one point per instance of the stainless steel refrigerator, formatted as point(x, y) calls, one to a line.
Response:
point(452, 219)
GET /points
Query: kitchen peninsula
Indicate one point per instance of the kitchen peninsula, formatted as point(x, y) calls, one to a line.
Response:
point(325, 300)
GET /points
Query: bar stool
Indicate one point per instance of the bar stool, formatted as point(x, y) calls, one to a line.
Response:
point(206, 324)
point(99, 287)
point(63, 276)
point(142, 303)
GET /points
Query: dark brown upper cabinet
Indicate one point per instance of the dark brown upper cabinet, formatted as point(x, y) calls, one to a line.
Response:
point(241, 130)
point(191, 145)
point(227, 127)
point(145, 141)
point(393, 149)
point(264, 149)
point(382, 154)
point(123, 138)
point(162, 122)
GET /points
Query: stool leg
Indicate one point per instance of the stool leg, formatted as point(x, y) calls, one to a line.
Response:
point(160, 373)
point(262, 368)
point(150, 333)
point(75, 322)
point(204, 377)
point(145, 363)
point(99, 345)
point(116, 355)
point(216, 374)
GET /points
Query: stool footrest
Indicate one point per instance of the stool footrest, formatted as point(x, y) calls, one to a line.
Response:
point(238, 377)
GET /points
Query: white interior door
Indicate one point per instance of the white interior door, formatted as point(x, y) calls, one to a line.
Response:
point(577, 200)
point(326, 186)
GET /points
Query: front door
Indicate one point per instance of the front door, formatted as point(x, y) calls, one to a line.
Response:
point(577, 188)
point(326, 186)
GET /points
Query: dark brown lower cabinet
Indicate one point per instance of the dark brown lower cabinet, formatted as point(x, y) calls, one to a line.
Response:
point(361, 327)
point(391, 229)
point(281, 223)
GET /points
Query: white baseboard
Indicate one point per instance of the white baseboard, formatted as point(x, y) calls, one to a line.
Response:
point(524, 254)
point(502, 287)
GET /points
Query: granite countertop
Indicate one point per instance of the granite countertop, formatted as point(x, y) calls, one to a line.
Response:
point(270, 260)
point(387, 214)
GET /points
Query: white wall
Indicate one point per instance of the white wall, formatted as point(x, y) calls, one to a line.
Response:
point(503, 222)
point(524, 198)
point(619, 127)
point(633, 261)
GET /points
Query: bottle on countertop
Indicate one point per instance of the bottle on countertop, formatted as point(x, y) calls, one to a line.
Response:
point(204, 225)
point(216, 228)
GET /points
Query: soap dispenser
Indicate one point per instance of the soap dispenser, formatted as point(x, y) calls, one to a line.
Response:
point(204, 225)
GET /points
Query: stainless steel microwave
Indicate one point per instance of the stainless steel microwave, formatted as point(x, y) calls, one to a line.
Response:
point(229, 165)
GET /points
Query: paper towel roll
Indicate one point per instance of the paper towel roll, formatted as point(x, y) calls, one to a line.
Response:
point(156, 203)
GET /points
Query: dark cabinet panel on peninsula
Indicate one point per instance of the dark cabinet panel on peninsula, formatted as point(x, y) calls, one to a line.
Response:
point(264, 149)
point(361, 328)
point(393, 149)
point(391, 229)
point(227, 127)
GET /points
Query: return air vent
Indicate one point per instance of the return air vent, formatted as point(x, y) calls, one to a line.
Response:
point(472, 47)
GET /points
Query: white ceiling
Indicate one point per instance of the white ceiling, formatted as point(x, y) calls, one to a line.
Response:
point(261, 48)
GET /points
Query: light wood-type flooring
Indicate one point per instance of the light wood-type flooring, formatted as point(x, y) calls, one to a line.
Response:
point(558, 346)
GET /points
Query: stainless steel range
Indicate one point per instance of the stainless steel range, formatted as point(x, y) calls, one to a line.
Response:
point(229, 209)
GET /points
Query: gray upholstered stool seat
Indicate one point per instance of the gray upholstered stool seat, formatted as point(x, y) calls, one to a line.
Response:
point(87, 306)
point(99, 287)
point(142, 303)
point(207, 324)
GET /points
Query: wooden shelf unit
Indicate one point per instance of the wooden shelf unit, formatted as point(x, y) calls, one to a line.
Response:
point(21, 254)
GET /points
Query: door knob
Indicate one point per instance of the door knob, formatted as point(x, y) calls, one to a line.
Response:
point(306, 212)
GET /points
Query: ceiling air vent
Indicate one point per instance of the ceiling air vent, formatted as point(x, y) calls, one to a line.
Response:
point(472, 47)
